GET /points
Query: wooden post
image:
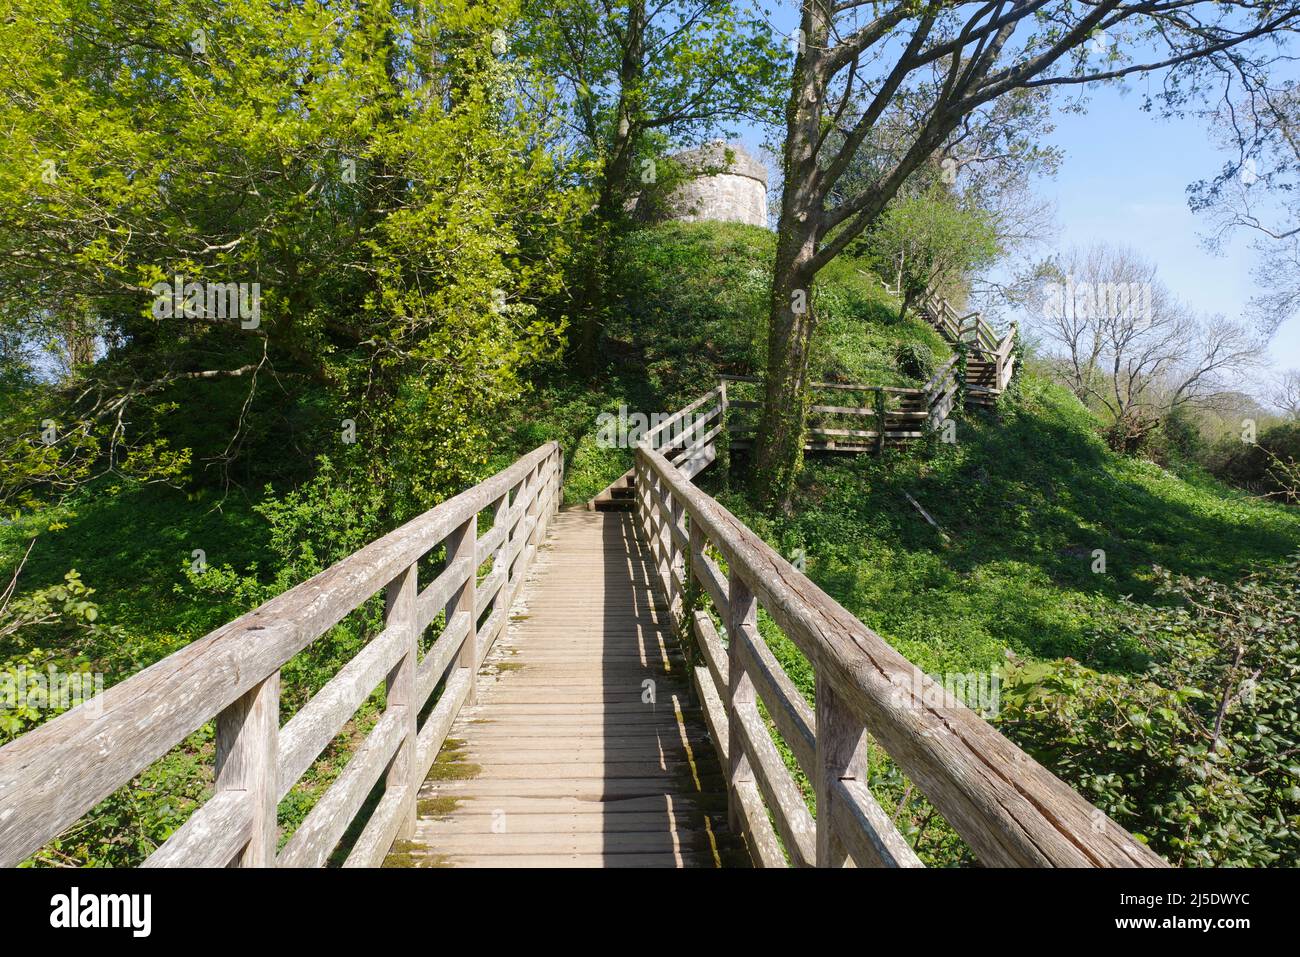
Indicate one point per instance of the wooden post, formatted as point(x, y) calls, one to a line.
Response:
point(742, 612)
point(463, 544)
point(676, 563)
point(842, 756)
point(247, 759)
point(638, 494)
point(665, 563)
point(538, 489)
point(514, 567)
point(724, 435)
point(696, 558)
point(554, 490)
point(652, 524)
point(880, 420)
point(399, 612)
point(500, 509)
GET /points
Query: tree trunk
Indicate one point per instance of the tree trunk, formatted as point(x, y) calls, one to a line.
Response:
point(614, 189)
point(778, 452)
point(778, 455)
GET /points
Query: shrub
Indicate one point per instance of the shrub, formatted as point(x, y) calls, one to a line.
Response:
point(915, 359)
point(1265, 466)
point(1197, 755)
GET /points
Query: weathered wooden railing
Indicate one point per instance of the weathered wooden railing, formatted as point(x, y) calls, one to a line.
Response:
point(53, 775)
point(940, 393)
point(981, 340)
point(1007, 807)
point(894, 414)
point(998, 359)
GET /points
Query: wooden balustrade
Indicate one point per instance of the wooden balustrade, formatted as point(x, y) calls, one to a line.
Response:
point(54, 774)
point(1006, 806)
point(928, 405)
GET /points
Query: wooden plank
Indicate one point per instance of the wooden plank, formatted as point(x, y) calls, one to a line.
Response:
point(461, 612)
point(844, 433)
point(764, 846)
point(503, 522)
point(694, 466)
point(436, 726)
point(449, 582)
point(320, 720)
point(715, 655)
point(843, 409)
point(793, 821)
point(657, 840)
point(653, 433)
point(940, 375)
point(311, 844)
point(866, 830)
point(710, 576)
point(535, 861)
point(381, 829)
point(489, 587)
point(696, 446)
point(452, 644)
point(55, 773)
point(213, 836)
point(399, 615)
point(741, 612)
point(673, 818)
point(790, 712)
point(247, 760)
point(926, 515)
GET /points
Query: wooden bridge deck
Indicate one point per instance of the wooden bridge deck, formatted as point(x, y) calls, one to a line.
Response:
point(563, 760)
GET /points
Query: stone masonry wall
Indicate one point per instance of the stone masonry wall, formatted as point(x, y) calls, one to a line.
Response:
point(738, 195)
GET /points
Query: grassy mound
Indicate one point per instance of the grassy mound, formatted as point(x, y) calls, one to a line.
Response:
point(689, 301)
point(1032, 501)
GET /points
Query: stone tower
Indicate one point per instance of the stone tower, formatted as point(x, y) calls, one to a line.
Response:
point(738, 194)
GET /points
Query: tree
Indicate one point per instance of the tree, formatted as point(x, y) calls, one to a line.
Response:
point(855, 61)
point(1126, 345)
point(1286, 394)
point(931, 241)
point(366, 166)
point(627, 77)
point(1256, 191)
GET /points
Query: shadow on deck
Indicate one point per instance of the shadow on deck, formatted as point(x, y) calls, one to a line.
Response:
point(584, 747)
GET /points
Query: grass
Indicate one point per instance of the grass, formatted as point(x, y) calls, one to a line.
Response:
point(1027, 496)
point(133, 545)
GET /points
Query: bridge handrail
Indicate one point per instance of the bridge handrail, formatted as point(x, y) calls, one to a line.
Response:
point(54, 774)
point(1010, 810)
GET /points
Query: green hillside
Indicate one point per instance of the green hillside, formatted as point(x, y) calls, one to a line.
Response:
point(1026, 496)
point(1048, 573)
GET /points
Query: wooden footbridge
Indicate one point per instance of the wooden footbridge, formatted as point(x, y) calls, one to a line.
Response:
point(577, 688)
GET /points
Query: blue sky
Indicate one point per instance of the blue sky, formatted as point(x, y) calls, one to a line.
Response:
point(1123, 181)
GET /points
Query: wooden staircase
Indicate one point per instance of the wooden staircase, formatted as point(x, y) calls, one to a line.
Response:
point(618, 496)
point(990, 360)
point(982, 387)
